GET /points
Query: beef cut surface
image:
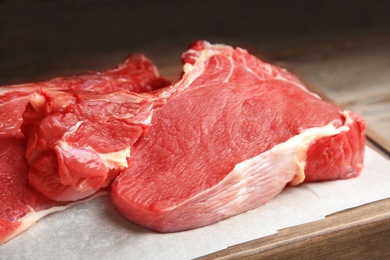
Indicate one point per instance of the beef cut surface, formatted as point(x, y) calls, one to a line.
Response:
point(236, 133)
point(20, 204)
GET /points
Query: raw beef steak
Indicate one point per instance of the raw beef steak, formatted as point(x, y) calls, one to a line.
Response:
point(20, 204)
point(234, 132)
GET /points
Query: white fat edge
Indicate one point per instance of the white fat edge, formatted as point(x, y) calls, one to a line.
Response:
point(296, 146)
point(304, 140)
point(111, 160)
point(282, 155)
point(191, 51)
point(209, 46)
point(14, 88)
point(231, 69)
point(38, 102)
point(346, 114)
point(205, 55)
point(219, 46)
point(32, 217)
point(116, 159)
point(74, 128)
point(190, 74)
point(287, 155)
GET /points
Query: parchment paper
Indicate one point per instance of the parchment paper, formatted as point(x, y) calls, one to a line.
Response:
point(95, 231)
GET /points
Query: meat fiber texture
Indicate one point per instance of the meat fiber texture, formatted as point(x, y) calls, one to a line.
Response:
point(20, 204)
point(226, 138)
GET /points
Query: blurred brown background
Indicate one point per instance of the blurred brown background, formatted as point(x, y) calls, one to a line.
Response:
point(40, 39)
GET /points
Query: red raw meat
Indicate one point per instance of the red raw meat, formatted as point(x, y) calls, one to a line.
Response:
point(20, 204)
point(224, 139)
point(236, 134)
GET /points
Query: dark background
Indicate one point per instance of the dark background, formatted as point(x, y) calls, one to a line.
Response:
point(40, 39)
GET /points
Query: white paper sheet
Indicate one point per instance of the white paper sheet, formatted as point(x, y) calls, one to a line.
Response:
point(95, 231)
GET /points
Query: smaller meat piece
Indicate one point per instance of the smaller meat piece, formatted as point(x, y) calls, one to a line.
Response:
point(20, 204)
point(77, 144)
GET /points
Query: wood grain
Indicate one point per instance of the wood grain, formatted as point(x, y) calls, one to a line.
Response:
point(358, 233)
